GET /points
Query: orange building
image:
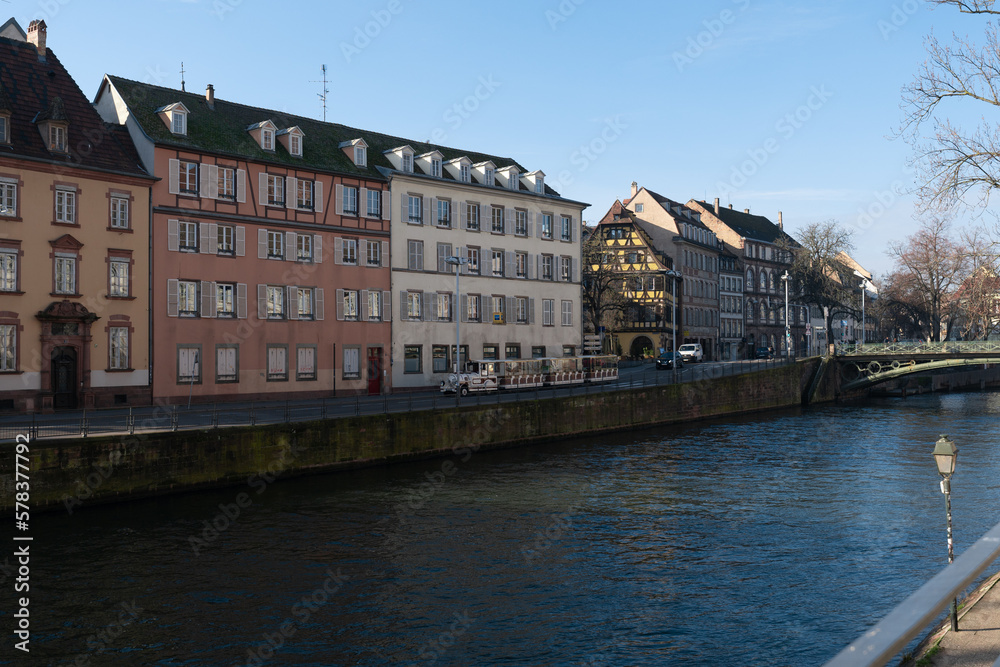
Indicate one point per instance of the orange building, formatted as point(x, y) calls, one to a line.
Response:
point(74, 239)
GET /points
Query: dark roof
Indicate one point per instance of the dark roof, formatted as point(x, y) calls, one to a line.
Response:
point(669, 205)
point(748, 225)
point(224, 130)
point(32, 88)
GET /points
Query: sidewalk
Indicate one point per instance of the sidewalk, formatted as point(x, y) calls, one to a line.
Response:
point(977, 642)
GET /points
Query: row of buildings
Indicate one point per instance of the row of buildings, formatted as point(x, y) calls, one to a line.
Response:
point(157, 244)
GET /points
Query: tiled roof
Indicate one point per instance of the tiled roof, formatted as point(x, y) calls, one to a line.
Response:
point(224, 130)
point(30, 87)
point(669, 205)
point(748, 225)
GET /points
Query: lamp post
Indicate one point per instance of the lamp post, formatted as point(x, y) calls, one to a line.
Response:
point(674, 276)
point(457, 262)
point(788, 325)
point(945, 454)
point(864, 321)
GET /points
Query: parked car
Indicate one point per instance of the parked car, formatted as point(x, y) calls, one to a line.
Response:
point(691, 352)
point(764, 353)
point(666, 360)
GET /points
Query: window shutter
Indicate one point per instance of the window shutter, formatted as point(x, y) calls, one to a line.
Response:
point(404, 202)
point(204, 178)
point(430, 214)
point(509, 268)
point(363, 305)
point(530, 266)
point(463, 312)
point(340, 304)
point(241, 186)
point(262, 188)
point(291, 193)
point(261, 302)
point(292, 310)
point(203, 237)
point(318, 196)
point(207, 299)
point(261, 243)
point(339, 210)
point(538, 266)
point(508, 221)
point(538, 225)
point(531, 311)
point(425, 306)
point(574, 270)
point(425, 217)
point(510, 310)
point(291, 253)
point(362, 202)
point(385, 254)
point(213, 238)
point(402, 305)
point(213, 182)
point(241, 301)
point(529, 217)
point(386, 303)
point(386, 204)
point(444, 250)
point(241, 241)
point(172, 298)
point(174, 176)
point(317, 248)
point(574, 232)
point(338, 250)
point(173, 240)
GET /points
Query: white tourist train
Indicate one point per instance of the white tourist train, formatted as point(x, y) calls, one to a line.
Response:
point(491, 375)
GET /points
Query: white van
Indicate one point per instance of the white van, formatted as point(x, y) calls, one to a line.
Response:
point(691, 352)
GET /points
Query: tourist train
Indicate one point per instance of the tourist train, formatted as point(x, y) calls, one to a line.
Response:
point(491, 375)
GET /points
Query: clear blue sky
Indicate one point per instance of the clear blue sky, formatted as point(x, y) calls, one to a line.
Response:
point(676, 95)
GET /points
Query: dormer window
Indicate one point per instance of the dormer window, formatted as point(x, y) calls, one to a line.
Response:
point(540, 185)
point(291, 139)
point(295, 144)
point(464, 173)
point(57, 138)
point(360, 156)
point(178, 123)
point(436, 168)
point(4, 129)
point(356, 150)
point(174, 116)
point(488, 179)
point(407, 163)
point(264, 132)
point(267, 139)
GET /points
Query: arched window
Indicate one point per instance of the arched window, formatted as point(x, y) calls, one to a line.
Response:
point(763, 280)
point(750, 280)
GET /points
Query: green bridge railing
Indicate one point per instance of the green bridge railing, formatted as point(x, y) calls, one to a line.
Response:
point(948, 347)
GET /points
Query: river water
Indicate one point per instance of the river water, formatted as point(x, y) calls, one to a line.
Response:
point(772, 539)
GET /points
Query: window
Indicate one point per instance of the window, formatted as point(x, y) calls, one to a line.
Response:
point(348, 305)
point(350, 201)
point(225, 239)
point(546, 231)
point(566, 228)
point(521, 264)
point(227, 363)
point(488, 180)
point(360, 156)
point(539, 185)
point(489, 351)
point(188, 175)
point(3, 130)
point(414, 210)
point(463, 173)
point(349, 254)
point(188, 364)
point(295, 145)
point(414, 301)
point(443, 253)
point(277, 363)
point(638, 209)
point(267, 139)
point(415, 255)
point(443, 213)
point(436, 167)
point(178, 122)
point(66, 206)
point(472, 307)
point(567, 313)
point(565, 269)
point(305, 362)
point(374, 305)
point(374, 203)
point(304, 194)
point(537, 351)
point(496, 217)
point(275, 245)
point(444, 307)
point(439, 359)
point(547, 267)
point(65, 274)
point(512, 351)
point(304, 247)
point(57, 138)
point(569, 350)
point(472, 216)
point(407, 163)
point(187, 298)
point(352, 363)
point(274, 303)
point(548, 312)
point(225, 300)
point(374, 254)
point(8, 348)
point(305, 300)
point(275, 190)
point(521, 306)
point(8, 198)
point(473, 265)
point(118, 348)
point(497, 262)
point(118, 283)
point(412, 359)
point(521, 223)
point(227, 183)
point(119, 212)
point(498, 305)
point(8, 270)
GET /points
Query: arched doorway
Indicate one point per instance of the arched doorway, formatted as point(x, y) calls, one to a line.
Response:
point(639, 345)
point(64, 380)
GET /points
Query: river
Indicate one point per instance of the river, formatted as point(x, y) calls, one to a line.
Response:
point(771, 539)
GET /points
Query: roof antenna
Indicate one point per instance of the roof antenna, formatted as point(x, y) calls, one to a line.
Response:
point(182, 77)
point(326, 91)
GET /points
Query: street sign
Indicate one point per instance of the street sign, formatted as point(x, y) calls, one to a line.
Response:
point(498, 318)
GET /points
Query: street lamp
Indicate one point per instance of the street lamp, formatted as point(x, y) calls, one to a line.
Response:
point(864, 322)
point(788, 325)
point(945, 454)
point(674, 276)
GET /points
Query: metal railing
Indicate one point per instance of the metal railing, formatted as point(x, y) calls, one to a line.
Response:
point(890, 636)
point(918, 347)
point(129, 421)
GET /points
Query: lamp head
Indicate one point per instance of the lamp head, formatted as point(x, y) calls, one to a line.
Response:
point(945, 454)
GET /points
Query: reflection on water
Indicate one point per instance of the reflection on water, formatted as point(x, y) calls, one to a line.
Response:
point(767, 540)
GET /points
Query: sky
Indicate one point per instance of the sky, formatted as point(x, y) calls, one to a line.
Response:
point(771, 105)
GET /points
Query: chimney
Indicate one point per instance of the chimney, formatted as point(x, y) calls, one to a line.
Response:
point(635, 188)
point(36, 36)
point(717, 206)
point(730, 207)
point(781, 224)
point(747, 211)
point(210, 96)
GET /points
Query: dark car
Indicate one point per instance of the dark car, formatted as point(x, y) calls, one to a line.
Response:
point(764, 353)
point(665, 361)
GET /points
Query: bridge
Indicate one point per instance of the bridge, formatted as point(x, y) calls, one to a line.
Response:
point(867, 364)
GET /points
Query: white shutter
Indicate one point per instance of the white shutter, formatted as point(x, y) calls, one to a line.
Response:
point(425, 305)
point(203, 237)
point(261, 244)
point(291, 254)
point(531, 267)
point(463, 214)
point(385, 254)
point(340, 304)
point(339, 210)
point(463, 311)
point(531, 311)
point(262, 188)
point(204, 178)
point(574, 270)
point(362, 305)
point(208, 303)
point(508, 221)
point(538, 226)
point(574, 232)
point(362, 202)
point(173, 240)
point(430, 215)
point(509, 268)
point(318, 196)
point(317, 248)
point(338, 250)
point(318, 306)
point(213, 182)
point(241, 186)
point(241, 241)
point(386, 303)
point(510, 310)
point(213, 238)
point(241, 301)
point(386, 204)
point(172, 298)
point(402, 305)
point(424, 215)
point(261, 302)
point(292, 302)
point(174, 176)
point(404, 201)
point(529, 217)
point(291, 193)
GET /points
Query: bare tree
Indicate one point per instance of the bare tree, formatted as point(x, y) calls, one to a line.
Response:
point(972, 7)
point(603, 294)
point(978, 296)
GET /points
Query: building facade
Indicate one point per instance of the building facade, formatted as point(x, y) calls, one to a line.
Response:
point(74, 240)
point(731, 324)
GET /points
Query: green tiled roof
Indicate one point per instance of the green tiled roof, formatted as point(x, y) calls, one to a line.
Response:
point(224, 130)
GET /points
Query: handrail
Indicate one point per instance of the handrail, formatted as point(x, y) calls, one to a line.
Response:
point(890, 635)
point(917, 347)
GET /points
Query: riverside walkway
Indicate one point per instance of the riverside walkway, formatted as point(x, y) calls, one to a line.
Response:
point(977, 642)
